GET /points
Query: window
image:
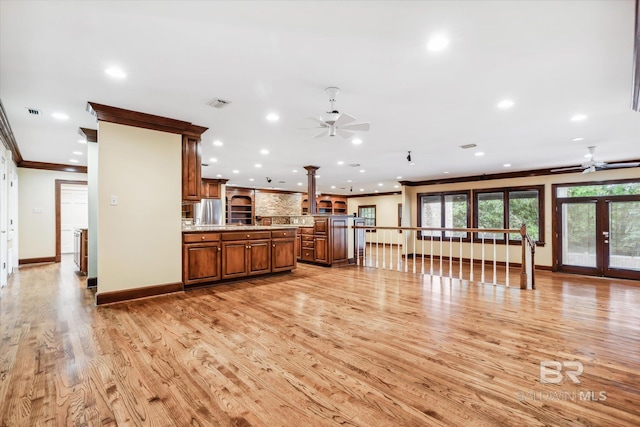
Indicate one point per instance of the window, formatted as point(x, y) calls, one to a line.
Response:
point(510, 208)
point(443, 210)
point(369, 215)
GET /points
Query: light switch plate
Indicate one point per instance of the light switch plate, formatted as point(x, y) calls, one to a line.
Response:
point(114, 201)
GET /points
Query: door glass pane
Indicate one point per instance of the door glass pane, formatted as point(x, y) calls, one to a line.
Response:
point(624, 235)
point(579, 234)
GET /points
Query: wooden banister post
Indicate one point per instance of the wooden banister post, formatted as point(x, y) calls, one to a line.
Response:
point(523, 271)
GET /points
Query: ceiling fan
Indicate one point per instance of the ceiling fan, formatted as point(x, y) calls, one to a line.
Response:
point(592, 165)
point(336, 122)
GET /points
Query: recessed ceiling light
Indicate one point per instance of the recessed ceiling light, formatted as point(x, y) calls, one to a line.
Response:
point(73, 160)
point(236, 171)
point(356, 141)
point(349, 180)
point(251, 179)
point(507, 165)
point(396, 186)
point(295, 171)
point(362, 171)
point(398, 177)
point(82, 141)
point(577, 139)
point(380, 184)
point(273, 117)
point(445, 172)
point(213, 160)
point(317, 176)
point(299, 183)
point(505, 103)
point(218, 143)
point(412, 163)
point(479, 154)
point(437, 43)
point(333, 186)
point(340, 162)
point(79, 153)
point(115, 72)
point(258, 165)
point(60, 116)
point(578, 117)
point(219, 175)
point(264, 151)
point(362, 189)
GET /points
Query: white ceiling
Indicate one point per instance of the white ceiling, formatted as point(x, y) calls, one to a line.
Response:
point(554, 59)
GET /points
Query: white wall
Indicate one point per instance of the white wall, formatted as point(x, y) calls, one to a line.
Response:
point(139, 240)
point(386, 211)
point(37, 211)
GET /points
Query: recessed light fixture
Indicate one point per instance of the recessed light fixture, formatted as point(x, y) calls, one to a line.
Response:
point(273, 117)
point(299, 183)
point(258, 165)
point(445, 172)
point(505, 103)
point(362, 171)
point(213, 160)
point(380, 184)
point(349, 180)
point(73, 160)
point(218, 143)
point(252, 179)
point(317, 176)
point(398, 177)
point(115, 72)
point(577, 139)
point(340, 162)
point(362, 189)
point(60, 116)
point(78, 153)
point(412, 163)
point(437, 43)
point(507, 165)
point(356, 141)
point(295, 171)
point(236, 171)
point(264, 151)
point(578, 118)
point(479, 153)
point(396, 186)
point(82, 141)
point(333, 187)
point(219, 175)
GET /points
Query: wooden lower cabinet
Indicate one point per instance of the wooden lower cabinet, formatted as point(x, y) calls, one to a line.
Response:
point(210, 257)
point(327, 241)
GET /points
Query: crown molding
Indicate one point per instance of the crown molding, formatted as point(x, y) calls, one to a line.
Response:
point(52, 166)
point(6, 135)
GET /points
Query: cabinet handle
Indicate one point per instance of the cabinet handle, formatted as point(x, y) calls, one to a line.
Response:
point(248, 235)
point(219, 249)
point(274, 245)
point(202, 237)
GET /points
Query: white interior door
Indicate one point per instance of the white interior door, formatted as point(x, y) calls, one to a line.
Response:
point(3, 220)
point(74, 213)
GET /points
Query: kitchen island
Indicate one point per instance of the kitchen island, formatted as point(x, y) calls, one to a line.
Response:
point(215, 253)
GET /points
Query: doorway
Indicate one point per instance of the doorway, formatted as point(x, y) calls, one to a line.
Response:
point(71, 213)
point(598, 229)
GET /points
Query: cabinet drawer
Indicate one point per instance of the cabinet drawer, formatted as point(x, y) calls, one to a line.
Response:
point(246, 235)
point(200, 237)
point(308, 254)
point(307, 244)
point(284, 233)
point(306, 230)
point(307, 237)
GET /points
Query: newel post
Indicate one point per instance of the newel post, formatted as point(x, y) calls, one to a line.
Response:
point(523, 271)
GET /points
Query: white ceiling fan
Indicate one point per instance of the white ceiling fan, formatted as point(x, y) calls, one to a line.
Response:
point(335, 122)
point(592, 165)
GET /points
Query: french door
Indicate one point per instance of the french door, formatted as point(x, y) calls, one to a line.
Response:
point(599, 236)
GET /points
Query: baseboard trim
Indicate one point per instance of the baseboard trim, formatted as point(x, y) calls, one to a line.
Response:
point(130, 294)
point(92, 282)
point(36, 260)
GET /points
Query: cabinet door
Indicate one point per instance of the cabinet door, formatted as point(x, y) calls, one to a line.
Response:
point(321, 249)
point(201, 263)
point(191, 169)
point(259, 256)
point(339, 231)
point(283, 255)
point(234, 259)
point(320, 225)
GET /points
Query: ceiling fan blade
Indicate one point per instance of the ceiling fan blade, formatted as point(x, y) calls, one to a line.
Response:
point(344, 133)
point(321, 134)
point(344, 119)
point(321, 122)
point(357, 126)
point(575, 168)
point(620, 165)
point(589, 169)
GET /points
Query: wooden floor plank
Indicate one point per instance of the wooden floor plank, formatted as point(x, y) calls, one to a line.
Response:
point(320, 347)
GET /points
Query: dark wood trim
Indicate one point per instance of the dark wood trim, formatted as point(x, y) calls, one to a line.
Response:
point(268, 190)
point(442, 195)
point(129, 294)
point(36, 260)
point(58, 167)
point(121, 116)
point(311, 189)
point(388, 193)
point(92, 282)
point(59, 183)
point(7, 137)
point(91, 135)
point(505, 175)
point(635, 89)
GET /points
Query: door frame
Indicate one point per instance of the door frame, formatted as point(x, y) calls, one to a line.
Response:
point(59, 183)
point(556, 247)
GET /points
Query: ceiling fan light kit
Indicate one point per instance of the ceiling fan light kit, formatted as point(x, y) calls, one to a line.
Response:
point(336, 123)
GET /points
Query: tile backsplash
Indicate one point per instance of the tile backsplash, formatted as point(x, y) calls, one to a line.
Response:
point(278, 204)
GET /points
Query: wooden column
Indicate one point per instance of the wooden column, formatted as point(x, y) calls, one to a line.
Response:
point(311, 190)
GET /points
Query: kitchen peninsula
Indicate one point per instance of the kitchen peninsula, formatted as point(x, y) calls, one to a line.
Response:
point(213, 253)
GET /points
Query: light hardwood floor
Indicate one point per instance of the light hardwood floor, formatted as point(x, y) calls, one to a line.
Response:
point(319, 347)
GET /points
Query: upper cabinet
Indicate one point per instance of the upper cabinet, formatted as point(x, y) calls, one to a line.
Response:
point(327, 204)
point(191, 169)
point(212, 188)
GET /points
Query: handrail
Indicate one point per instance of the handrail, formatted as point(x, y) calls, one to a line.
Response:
point(527, 243)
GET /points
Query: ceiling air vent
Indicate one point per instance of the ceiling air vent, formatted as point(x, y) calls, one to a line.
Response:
point(33, 111)
point(218, 103)
point(467, 146)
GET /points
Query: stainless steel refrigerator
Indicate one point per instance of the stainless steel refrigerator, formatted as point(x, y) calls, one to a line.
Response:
point(208, 212)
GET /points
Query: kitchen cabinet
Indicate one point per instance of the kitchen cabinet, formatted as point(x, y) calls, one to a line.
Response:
point(307, 241)
point(326, 205)
point(211, 188)
point(240, 206)
point(283, 254)
point(191, 169)
point(327, 242)
point(246, 253)
point(201, 257)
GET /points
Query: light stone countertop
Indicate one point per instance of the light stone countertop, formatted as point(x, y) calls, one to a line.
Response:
point(201, 228)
